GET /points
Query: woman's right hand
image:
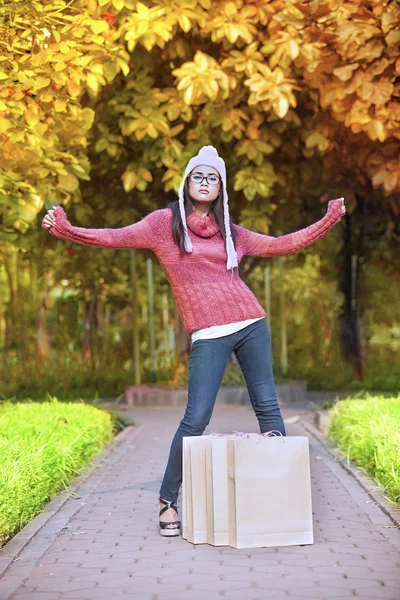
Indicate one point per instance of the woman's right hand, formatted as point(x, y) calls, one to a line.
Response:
point(49, 219)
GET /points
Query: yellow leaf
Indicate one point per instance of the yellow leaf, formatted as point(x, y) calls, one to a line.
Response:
point(393, 37)
point(73, 87)
point(4, 124)
point(317, 139)
point(293, 49)
point(39, 58)
point(230, 9)
point(64, 48)
point(68, 182)
point(41, 82)
point(143, 11)
point(110, 70)
point(268, 47)
point(146, 175)
point(60, 66)
point(149, 41)
point(188, 94)
point(185, 23)
point(232, 33)
point(376, 130)
point(383, 91)
point(99, 26)
point(346, 72)
point(281, 106)
point(366, 90)
point(252, 131)
point(162, 127)
point(129, 180)
point(141, 185)
point(201, 60)
point(123, 66)
point(118, 4)
point(152, 131)
point(60, 105)
point(140, 133)
point(173, 112)
point(175, 130)
point(112, 150)
point(92, 82)
point(31, 117)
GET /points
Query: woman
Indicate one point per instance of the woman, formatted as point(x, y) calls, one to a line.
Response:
point(217, 308)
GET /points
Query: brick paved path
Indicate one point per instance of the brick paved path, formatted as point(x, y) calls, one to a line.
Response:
point(118, 552)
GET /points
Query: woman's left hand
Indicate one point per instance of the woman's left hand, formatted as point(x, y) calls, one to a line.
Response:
point(343, 208)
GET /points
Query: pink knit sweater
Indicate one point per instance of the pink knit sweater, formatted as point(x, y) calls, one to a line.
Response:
point(205, 291)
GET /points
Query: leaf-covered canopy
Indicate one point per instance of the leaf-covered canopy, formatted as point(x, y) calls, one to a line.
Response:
point(285, 88)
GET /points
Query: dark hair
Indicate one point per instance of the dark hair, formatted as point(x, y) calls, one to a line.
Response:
point(217, 208)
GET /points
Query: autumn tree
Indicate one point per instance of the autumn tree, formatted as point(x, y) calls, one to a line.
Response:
point(300, 98)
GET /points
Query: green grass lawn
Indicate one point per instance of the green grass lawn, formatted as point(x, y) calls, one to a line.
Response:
point(43, 446)
point(367, 431)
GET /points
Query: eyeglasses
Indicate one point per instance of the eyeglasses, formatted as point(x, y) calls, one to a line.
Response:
point(198, 178)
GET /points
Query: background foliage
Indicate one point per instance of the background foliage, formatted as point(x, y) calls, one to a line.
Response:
point(102, 103)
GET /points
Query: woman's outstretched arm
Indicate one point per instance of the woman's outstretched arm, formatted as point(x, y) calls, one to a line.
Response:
point(259, 244)
point(138, 235)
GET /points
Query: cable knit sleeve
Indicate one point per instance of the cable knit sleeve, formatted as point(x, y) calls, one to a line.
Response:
point(143, 234)
point(258, 244)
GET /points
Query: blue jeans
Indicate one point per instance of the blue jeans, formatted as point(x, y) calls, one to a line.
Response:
point(207, 364)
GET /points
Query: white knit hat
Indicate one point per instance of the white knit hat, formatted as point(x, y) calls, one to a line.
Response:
point(209, 156)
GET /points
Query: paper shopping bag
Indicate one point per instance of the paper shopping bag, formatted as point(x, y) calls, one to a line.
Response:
point(184, 489)
point(269, 492)
point(217, 492)
point(217, 487)
point(194, 509)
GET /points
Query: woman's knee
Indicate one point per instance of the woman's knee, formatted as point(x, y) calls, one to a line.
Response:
point(195, 424)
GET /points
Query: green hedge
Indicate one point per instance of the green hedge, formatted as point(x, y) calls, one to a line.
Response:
point(43, 446)
point(368, 432)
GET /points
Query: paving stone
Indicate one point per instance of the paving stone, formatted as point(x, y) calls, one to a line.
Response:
point(61, 585)
point(191, 578)
point(349, 583)
point(383, 592)
point(188, 595)
point(283, 569)
point(253, 562)
point(97, 594)
point(24, 594)
point(213, 586)
point(316, 593)
point(254, 594)
point(220, 569)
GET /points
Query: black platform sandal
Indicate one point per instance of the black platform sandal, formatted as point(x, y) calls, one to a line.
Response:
point(169, 529)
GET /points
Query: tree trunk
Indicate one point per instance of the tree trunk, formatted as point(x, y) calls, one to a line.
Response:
point(100, 331)
point(351, 337)
point(88, 312)
point(43, 337)
point(13, 323)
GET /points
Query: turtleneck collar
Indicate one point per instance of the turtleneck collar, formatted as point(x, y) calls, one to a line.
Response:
point(204, 227)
